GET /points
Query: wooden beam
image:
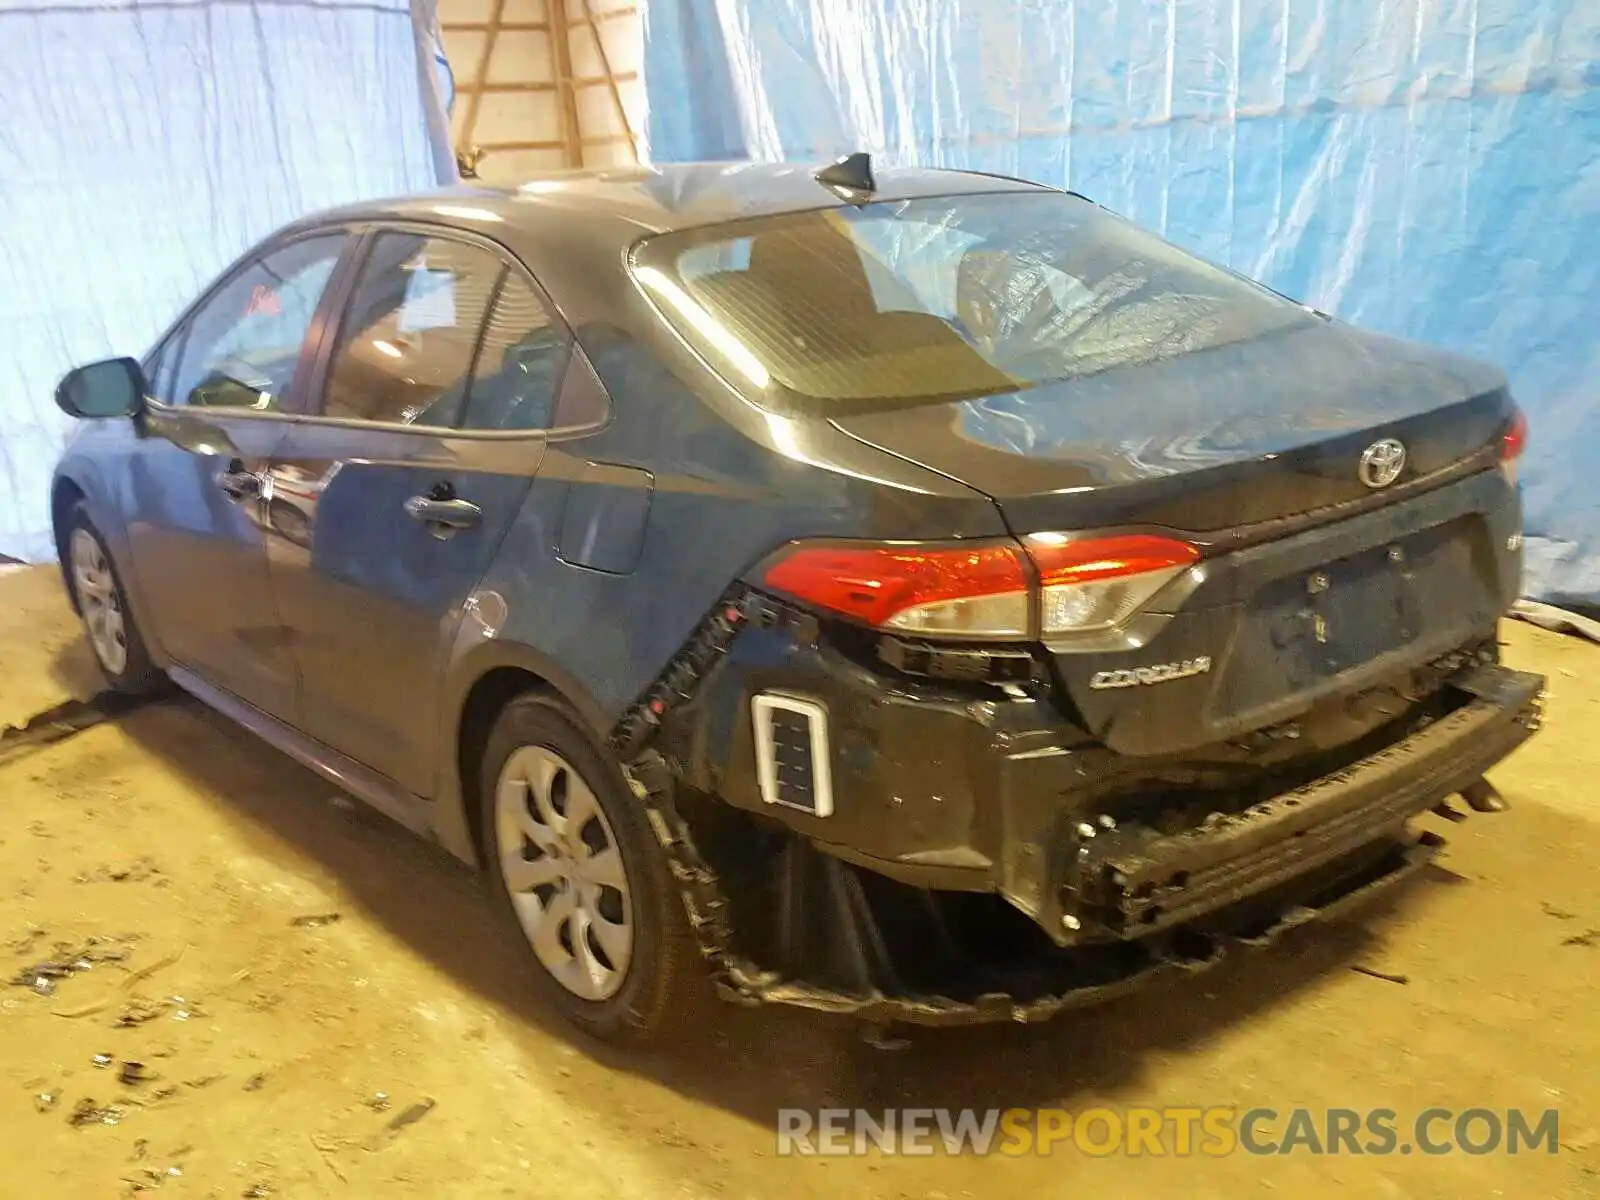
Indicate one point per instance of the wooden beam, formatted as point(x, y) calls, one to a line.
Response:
point(496, 147)
point(561, 54)
point(485, 89)
point(610, 75)
point(503, 27)
point(474, 97)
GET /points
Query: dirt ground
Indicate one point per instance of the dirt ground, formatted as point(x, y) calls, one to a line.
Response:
point(321, 1006)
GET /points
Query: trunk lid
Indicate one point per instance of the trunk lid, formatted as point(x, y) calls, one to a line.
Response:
point(1316, 583)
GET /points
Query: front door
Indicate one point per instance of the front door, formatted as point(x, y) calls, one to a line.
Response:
point(194, 504)
point(388, 502)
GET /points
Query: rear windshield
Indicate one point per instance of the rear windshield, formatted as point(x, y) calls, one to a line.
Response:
point(945, 298)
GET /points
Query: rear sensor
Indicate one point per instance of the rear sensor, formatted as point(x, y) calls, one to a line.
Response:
point(792, 763)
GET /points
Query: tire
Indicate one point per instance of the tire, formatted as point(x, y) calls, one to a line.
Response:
point(97, 591)
point(612, 989)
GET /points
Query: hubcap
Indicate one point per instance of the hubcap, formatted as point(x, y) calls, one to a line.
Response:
point(97, 598)
point(562, 868)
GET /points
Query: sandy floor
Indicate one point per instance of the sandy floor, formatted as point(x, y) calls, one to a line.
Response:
point(266, 1043)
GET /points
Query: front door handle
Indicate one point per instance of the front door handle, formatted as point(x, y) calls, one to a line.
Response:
point(239, 483)
point(445, 514)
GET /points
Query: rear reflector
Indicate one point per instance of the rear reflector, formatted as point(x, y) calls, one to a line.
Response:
point(984, 590)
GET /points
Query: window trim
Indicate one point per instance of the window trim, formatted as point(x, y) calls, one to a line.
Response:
point(366, 233)
point(176, 336)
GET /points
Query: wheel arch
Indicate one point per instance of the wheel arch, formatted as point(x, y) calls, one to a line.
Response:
point(480, 684)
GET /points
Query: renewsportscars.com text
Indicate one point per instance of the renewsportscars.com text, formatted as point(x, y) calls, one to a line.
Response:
point(1166, 1132)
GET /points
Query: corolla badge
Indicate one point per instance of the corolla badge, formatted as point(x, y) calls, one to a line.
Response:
point(1145, 676)
point(1381, 463)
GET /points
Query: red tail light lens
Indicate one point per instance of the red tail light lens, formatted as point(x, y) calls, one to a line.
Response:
point(976, 591)
point(1515, 439)
point(1098, 583)
point(1512, 443)
point(984, 590)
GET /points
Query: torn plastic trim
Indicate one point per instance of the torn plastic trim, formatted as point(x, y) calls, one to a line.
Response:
point(1163, 965)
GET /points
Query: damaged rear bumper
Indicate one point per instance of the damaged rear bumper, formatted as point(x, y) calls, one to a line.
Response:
point(1062, 981)
point(1132, 881)
point(975, 865)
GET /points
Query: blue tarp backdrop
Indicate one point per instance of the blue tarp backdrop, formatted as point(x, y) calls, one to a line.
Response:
point(145, 144)
point(1429, 168)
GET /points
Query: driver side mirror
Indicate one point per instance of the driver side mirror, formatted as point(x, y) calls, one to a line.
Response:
point(115, 387)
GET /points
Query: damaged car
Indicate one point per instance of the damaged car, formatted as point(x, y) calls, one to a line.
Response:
point(910, 593)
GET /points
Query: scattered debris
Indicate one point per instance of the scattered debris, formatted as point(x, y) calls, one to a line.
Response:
point(326, 1154)
point(412, 1115)
point(103, 1060)
point(256, 1191)
point(399, 1124)
point(1551, 910)
point(127, 982)
point(27, 941)
point(137, 871)
point(674, 1136)
point(152, 1178)
point(378, 1102)
point(134, 1073)
point(1588, 937)
point(255, 1083)
point(141, 1149)
point(87, 1112)
point(138, 1011)
point(316, 920)
point(1383, 975)
point(46, 1101)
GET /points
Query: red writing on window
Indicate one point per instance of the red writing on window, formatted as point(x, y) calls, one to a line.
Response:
point(264, 302)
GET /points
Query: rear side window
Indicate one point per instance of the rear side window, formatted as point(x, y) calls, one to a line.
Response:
point(242, 346)
point(410, 334)
point(944, 298)
point(521, 364)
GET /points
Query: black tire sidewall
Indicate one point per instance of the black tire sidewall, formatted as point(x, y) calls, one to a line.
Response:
point(652, 979)
point(139, 674)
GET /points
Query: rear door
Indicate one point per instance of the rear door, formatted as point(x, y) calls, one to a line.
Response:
point(224, 384)
point(387, 503)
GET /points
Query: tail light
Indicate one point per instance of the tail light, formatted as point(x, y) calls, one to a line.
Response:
point(985, 590)
point(1512, 443)
point(1098, 583)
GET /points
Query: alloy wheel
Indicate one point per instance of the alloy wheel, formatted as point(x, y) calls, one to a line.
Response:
point(99, 602)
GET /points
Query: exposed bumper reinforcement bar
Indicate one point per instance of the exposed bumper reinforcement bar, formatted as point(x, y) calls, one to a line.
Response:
point(1134, 882)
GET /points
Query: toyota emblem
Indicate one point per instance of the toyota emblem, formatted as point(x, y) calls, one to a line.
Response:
point(1381, 463)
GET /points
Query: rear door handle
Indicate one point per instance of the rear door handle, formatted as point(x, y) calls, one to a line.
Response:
point(447, 514)
point(239, 483)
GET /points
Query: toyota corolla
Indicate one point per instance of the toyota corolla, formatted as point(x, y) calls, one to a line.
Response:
point(912, 593)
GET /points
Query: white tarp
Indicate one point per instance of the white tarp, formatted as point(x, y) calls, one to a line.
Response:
point(143, 145)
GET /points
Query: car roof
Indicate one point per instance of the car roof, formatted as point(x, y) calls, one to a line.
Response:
point(656, 199)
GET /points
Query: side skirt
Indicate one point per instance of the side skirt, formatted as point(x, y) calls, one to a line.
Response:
point(382, 793)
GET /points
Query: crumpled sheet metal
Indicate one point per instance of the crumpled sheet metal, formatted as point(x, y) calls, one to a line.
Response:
point(1428, 168)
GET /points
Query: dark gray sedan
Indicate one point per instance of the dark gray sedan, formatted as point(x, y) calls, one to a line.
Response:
point(911, 593)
